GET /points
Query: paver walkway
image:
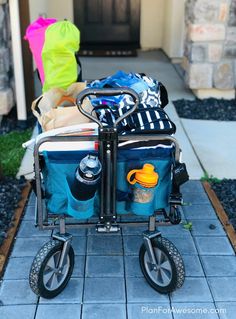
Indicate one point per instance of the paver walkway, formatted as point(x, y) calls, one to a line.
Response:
point(107, 281)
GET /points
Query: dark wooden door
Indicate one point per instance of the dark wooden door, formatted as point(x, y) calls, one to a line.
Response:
point(108, 23)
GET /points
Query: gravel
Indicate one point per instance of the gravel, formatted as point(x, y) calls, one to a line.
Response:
point(226, 193)
point(10, 195)
point(207, 109)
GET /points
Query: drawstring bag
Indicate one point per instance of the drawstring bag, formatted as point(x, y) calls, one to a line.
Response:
point(56, 108)
point(35, 34)
point(62, 40)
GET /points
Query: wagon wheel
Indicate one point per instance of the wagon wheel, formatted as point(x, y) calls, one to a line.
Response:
point(45, 278)
point(170, 272)
point(174, 215)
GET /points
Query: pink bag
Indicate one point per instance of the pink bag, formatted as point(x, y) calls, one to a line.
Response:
point(35, 34)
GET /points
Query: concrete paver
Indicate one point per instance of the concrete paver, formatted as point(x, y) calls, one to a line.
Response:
point(28, 229)
point(139, 291)
point(71, 311)
point(132, 267)
point(176, 231)
point(79, 266)
point(132, 244)
point(71, 295)
point(27, 247)
point(227, 310)
point(18, 268)
point(196, 199)
point(17, 292)
point(213, 246)
point(104, 266)
point(194, 311)
point(219, 266)
point(18, 311)
point(104, 290)
point(193, 290)
point(223, 288)
point(208, 227)
point(149, 311)
point(193, 267)
point(79, 245)
point(104, 245)
point(30, 210)
point(105, 311)
point(184, 246)
point(192, 186)
point(200, 212)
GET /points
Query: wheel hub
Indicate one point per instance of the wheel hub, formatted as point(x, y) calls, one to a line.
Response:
point(53, 276)
point(161, 272)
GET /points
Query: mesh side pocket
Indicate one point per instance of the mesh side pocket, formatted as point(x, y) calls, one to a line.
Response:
point(77, 208)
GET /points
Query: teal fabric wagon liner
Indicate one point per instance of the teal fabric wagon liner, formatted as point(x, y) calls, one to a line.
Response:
point(60, 168)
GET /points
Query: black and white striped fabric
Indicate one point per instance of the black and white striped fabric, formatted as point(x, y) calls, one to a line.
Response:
point(150, 121)
point(148, 118)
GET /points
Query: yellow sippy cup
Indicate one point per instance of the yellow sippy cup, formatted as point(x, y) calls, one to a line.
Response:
point(144, 181)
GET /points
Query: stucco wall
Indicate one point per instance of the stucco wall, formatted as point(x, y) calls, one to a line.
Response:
point(151, 23)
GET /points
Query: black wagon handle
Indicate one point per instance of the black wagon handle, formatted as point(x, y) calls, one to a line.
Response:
point(107, 92)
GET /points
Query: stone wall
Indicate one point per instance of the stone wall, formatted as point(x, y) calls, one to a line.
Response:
point(6, 71)
point(210, 48)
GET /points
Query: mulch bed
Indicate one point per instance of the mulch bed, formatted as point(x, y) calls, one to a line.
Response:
point(226, 193)
point(10, 195)
point(207, 109)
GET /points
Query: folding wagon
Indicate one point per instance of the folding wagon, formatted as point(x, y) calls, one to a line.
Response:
point(56, 156)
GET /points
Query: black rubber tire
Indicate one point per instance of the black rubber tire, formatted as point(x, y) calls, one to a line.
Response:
point(39, 264)
point(176, 262)
point(175, 215)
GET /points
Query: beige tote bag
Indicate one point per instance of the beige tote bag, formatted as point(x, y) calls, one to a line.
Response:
point(57, 108)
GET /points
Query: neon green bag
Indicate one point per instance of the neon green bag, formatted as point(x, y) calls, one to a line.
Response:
point(62, 40)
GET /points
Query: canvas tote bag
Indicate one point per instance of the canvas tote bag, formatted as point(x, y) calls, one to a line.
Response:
point(56, 108)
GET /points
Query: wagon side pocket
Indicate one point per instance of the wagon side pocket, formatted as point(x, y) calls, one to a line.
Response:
point(79, 209)
point(144, 205)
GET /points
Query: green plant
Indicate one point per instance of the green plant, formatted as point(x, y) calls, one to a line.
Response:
point(188, 225)
point(12, 152)
point(210, 178)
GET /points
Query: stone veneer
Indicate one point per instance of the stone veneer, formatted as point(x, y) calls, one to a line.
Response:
point(6, 72)
point(210, 47)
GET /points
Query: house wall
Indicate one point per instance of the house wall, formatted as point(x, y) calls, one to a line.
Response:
point(152, 21)
point(210, 47)
point(37, 8)
point(173, 28)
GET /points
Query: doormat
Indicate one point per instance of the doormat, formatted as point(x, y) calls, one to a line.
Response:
point(108, 53)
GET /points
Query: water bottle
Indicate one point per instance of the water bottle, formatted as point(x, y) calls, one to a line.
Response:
point(87, 176)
